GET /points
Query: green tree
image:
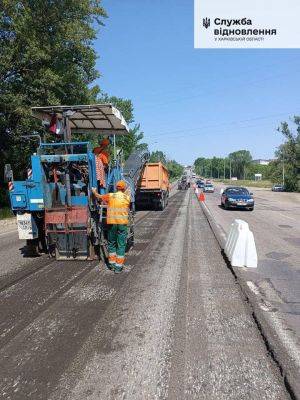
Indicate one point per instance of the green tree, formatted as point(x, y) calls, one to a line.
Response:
point(175, 169)
point(46, 57)
point(217, 167)
point(130, 142)
point(239, 161)
point(253, 169)
point(158, 156)
point(288, 155)
point(203, 167)
point(199, 166)
point(275, 172)
point(211, 167)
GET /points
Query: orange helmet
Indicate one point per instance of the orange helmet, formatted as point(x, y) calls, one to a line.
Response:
point(121, 185)
point(104, 142)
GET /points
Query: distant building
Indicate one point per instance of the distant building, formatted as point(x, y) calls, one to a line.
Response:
point(261, 161)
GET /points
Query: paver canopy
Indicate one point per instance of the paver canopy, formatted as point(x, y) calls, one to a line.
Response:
point(95, 118)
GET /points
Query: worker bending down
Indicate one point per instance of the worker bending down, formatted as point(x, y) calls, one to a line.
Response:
point(117, 220)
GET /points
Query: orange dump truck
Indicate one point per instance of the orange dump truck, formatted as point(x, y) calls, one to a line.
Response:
point(153, 187)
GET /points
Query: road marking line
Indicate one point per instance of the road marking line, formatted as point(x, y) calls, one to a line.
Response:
point(286, 216)
point(253, 288)
point(265, 307)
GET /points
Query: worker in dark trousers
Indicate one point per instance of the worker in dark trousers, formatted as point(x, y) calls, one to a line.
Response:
point(117, 220)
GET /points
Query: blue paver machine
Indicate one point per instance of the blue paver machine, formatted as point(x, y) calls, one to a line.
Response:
point(54, 206)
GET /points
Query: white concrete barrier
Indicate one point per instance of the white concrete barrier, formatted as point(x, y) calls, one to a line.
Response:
point(240, 246)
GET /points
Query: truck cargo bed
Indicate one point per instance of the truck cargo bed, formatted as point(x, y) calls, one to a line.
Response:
point(153, 187)
point(155, 176)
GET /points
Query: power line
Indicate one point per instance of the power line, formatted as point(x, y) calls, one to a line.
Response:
point(200, 128)
point(210, 93)
point(229, 76)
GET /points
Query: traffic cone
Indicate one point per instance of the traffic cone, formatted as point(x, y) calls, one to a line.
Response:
point(201, 196)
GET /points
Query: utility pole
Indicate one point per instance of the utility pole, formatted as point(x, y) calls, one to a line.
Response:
point(224, 168)
point(230, 168)
point(283, 173)
point(211, 168)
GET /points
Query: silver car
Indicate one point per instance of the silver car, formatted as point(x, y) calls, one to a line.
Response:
point(208, 188)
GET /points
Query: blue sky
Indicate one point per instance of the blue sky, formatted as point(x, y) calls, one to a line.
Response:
point(189, 102)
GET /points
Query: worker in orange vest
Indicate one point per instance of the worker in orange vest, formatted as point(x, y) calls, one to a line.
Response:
point(117, 221)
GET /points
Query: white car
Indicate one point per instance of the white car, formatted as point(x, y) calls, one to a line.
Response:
point(208, 188)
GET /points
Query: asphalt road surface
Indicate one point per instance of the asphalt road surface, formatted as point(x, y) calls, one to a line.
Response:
point(275, 225)
point(275, 284)
point(274, 221)
point(173, 325)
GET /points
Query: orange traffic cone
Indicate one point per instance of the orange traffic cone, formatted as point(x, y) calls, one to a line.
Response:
point(201, 197)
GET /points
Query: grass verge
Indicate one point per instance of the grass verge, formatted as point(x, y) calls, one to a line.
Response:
point(258, 184)
point(5, 213)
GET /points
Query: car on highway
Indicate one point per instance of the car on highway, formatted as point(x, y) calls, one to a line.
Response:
point(278, 188)
point(200, 184)
point(209, 188)
point(237, 197)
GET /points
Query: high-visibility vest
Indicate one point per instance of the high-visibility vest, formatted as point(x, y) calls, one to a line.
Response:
point(118, 208)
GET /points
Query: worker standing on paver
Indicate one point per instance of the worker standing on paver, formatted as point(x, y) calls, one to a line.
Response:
point(117, 221)
point(102, 153)
point(102, 161)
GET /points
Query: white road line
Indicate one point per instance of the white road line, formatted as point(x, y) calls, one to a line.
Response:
point(253, 288)
point(264, 305)
point(293, 219)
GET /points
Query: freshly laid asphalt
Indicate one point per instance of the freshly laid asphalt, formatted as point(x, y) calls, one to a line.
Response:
point(173, 325)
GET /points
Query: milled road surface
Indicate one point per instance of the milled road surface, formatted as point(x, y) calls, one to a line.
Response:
point(174, 325)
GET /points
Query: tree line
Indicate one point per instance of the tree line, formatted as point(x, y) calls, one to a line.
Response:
point(284, 169)
point(47, 57)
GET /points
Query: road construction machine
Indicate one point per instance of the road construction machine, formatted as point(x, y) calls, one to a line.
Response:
point(54, 206)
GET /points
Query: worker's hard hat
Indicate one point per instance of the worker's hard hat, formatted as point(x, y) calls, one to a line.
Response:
point(104, 142)
point(121, 185)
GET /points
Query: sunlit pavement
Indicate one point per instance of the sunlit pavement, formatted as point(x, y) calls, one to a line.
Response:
point(173, 325)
